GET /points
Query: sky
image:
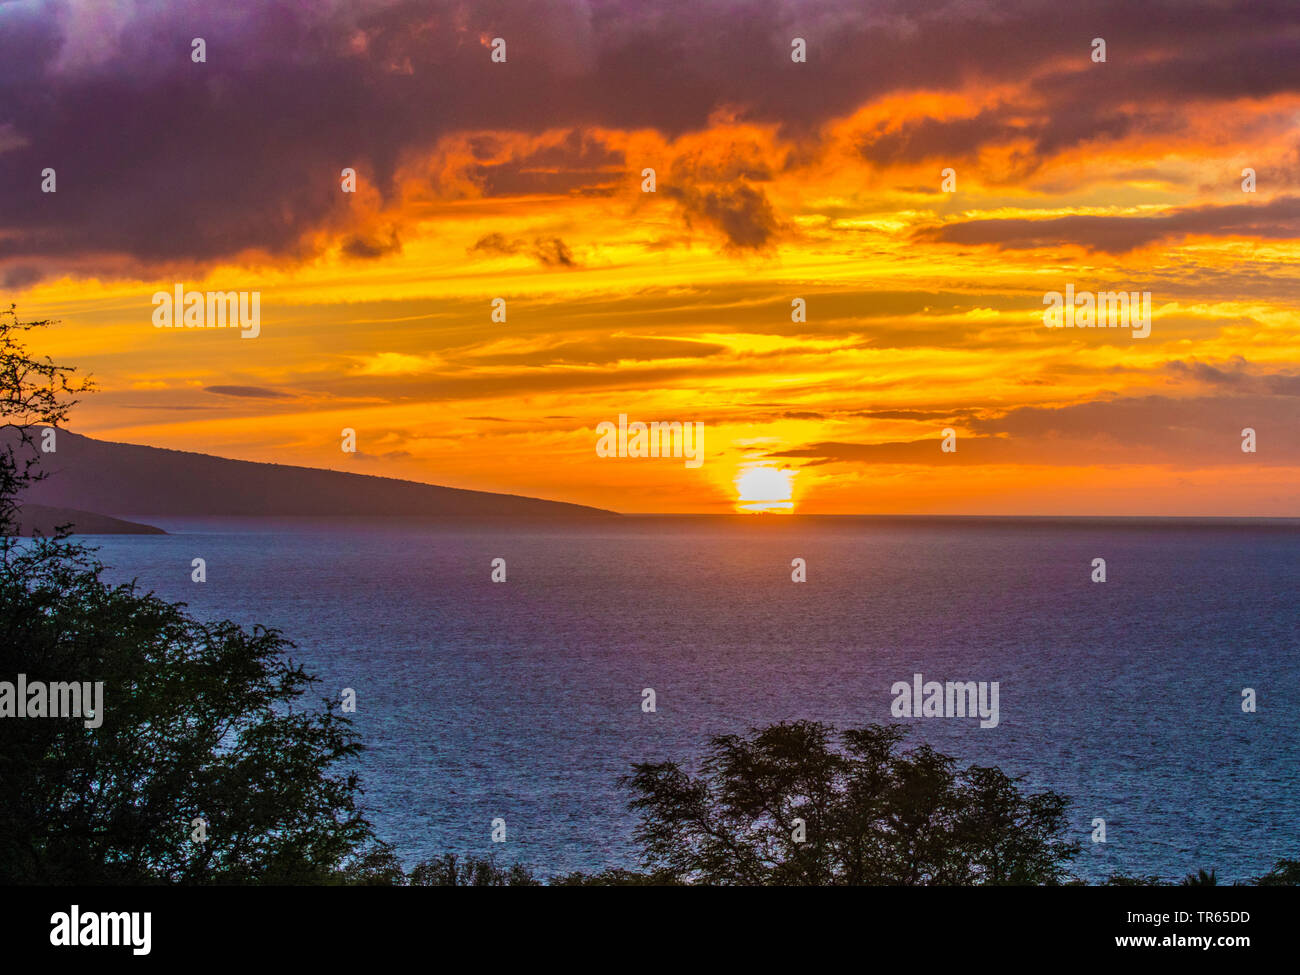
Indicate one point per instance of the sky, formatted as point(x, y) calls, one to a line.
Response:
point(775, 179)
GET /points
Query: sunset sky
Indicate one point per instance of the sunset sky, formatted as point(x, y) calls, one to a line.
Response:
point(775, 180)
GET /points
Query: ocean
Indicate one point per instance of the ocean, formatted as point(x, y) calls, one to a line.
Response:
point(522, 700)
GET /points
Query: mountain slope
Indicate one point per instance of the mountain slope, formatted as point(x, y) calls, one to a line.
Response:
point(114, 478)
point(37, 519)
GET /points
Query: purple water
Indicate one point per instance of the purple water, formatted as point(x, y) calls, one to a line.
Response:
point(522, 700)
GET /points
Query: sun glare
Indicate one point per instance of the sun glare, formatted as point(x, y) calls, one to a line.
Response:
point(762, 489)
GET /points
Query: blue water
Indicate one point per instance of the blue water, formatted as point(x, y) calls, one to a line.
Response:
point(522, 700)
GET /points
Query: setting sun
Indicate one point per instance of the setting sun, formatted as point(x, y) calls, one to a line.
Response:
point(765, 489)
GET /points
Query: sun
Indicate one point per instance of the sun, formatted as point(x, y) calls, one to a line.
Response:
point(760, 489)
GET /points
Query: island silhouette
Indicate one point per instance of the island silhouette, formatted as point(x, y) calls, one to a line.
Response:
point(93, 484)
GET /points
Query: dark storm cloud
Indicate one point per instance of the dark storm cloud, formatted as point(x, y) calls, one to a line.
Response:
point(498, 243)
point(248, 392)
point(547, 251)
point(741, 212)
point(371, 247)
point(1277, 220)
point(1236, 374)
point(1194, 430)
point(19, 276)
point(581, 162)
point(1203, 431)
point(161, 160)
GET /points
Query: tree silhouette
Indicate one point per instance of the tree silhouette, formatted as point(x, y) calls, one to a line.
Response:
point(1285, 873)
point(202, 721)
point(785, 805)
point(34, 392)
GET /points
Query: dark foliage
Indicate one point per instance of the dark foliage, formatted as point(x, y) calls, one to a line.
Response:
point(200, 720)
point(797, 803)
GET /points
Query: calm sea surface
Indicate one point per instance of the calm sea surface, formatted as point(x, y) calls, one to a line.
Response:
point(522, 700)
